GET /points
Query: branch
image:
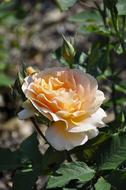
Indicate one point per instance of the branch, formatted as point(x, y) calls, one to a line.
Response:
point(38, 129)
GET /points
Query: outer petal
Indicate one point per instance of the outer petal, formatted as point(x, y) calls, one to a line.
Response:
point(95, 120)
point(46, 112)
point(61, 139)
point(26, 83)
point(92, 133)
point(98, 116)
point(81, 76)
point(25, 114)
point(86, 80)
point(96, 103)
point(54, 71)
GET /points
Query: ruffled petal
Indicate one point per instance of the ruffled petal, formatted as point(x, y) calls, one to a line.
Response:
point(61, 139)
point(98, 116)
point(47, 113)
point(95, 120)
point(96, 103)
point(92, 133)
point(26, 83)
point(86, 80)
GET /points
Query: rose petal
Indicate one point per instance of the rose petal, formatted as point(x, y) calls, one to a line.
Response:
point(92, 133)
point(95, 120)
point(98, 116)
point(86, 80)
point(61, 139)
point(82, 127)
point(99, 98)
point(46, 112)
point(26, 83)
point(25, 114)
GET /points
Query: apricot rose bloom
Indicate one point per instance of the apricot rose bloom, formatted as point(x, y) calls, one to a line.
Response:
point(71, 99)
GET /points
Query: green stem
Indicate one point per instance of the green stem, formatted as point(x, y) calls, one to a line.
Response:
point(102, 13)
point(123, 32)
point(114, 100)
point(114, 21)
point(113, 90)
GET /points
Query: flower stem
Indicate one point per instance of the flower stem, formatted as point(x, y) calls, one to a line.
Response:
point(38, 129)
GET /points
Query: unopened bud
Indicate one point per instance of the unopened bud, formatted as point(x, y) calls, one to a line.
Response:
point(68, 51)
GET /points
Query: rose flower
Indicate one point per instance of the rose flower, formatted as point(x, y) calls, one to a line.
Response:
point(71, 100)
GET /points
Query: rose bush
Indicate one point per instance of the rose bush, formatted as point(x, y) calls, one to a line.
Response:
point(70, 99)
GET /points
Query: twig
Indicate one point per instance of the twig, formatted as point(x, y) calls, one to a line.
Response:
point(38, 129)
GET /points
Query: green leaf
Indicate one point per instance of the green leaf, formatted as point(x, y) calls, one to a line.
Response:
point(5, 80)
point(114, 154)
point(24, 180)
point(51, 157)
point(80, 58)
point(42, 163)
point(65, 4)
point(118, 179)
point(86, 16)
point(98, 60)
point(29, 147)
point(9, 160)
point(102, 184)
point(70, 171)
point(120, 88)
point(88, 151)
point(121, 7)
point(31, 159)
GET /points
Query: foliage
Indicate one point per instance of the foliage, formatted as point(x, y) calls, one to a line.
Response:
point(64, 4)
point(114, 154)
point(79, 170)
point(102, 184)
point(100, 164)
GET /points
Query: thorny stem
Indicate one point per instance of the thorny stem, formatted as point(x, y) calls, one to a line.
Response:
point(38, 129)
